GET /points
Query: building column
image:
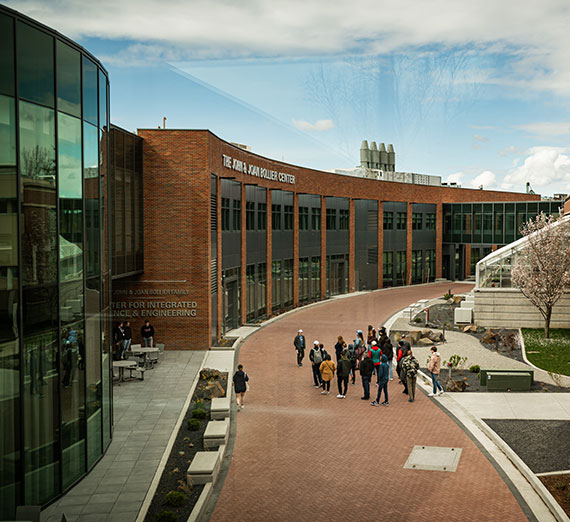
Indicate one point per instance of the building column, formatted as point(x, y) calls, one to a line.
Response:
point(268, 254)
point(220, 298)
point(467, 260)
point(380, 242)
point(351, 248)
point(438, 240)
point(409, 245)
point(295, 249)
point(243, 258)
point(323, 247)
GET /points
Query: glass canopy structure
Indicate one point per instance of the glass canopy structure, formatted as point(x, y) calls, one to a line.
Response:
point(494, 271)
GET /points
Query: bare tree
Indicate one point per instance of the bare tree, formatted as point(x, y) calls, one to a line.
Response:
point(542, 269)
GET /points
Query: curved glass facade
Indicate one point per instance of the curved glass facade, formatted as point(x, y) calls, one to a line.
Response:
point(55, 386)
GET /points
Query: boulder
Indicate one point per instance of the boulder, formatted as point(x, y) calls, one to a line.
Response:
point(426, 333)
point(456, 386)
point(490, 337)
point(470, 328)
point(456, 299)
point(436, 337)
point(397, 337)
point(414, 337)
point(425, 341)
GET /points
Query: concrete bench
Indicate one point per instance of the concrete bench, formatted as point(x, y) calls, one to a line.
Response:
point(204, 468)
point(220, 408)
point(508, 381)
point(483, 374)
point(216, 434)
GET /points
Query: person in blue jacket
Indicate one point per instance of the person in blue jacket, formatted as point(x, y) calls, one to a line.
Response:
point(383, 374)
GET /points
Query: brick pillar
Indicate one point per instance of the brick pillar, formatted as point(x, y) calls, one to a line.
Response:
point(351, 249)
point(269, 247)
point(467, 260)
point(295, 249)
point(438, 240)
point(380, 243)
point(409, 245)
point(243, 259)
point(219, 260)
point(323, 247)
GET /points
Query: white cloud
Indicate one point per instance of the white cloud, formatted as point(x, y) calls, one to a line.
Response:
point(509, 151)
point(547, 169)
point(487, 179)
point(455, 177)
point(479, 138)
point(535, 38)
point(546, 128)
point(318, 126)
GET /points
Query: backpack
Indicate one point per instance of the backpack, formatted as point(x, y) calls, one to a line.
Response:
point(352, 355)
point(317, 356)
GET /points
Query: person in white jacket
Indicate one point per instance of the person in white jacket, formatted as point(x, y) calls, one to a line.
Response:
point(434, 366)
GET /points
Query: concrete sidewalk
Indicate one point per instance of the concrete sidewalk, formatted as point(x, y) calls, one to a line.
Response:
point(145, 413)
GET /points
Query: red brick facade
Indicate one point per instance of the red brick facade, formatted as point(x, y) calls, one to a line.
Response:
point(177, 169)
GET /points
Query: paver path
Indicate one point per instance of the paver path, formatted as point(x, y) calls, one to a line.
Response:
point(300, 455)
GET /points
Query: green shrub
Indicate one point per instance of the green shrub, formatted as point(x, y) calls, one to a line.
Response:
point(193, 424)
point(475, 368)
point(560, 485)
point(448, 295)
point(199, 413)
point(166, 516)
point(418, 320)
point(174, 498)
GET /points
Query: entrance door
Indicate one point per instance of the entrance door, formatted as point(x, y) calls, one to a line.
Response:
point(336, 277)
point(445, 266)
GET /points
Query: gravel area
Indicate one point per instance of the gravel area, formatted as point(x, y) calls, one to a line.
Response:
point(544, 446)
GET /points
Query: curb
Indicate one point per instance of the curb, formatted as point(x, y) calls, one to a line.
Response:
point(200, 505)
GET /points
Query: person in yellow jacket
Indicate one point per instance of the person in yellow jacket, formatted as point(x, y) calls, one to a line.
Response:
point(327, 373)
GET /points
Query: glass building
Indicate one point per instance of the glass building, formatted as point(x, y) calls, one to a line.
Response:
point(55, 386)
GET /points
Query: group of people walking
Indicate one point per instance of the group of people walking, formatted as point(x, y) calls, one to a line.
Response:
point(371, 356)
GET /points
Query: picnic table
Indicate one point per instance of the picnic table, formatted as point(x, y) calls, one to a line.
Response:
point(122, 365)
point(146, 352)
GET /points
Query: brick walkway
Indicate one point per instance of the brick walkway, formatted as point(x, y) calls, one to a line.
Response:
point(300, 455)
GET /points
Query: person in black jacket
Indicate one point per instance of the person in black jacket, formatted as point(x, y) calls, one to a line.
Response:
point(343, 373)
point(388, 351)
point(240, 387)
point(300, 345)
point(128, 334)
point(366, 369)
point(147, 333)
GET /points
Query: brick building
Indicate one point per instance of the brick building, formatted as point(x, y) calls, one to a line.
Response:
point(231, 237)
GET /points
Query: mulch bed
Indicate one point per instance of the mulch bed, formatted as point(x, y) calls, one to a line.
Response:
point(225, 342)
point(187, 444)
point(473, 383)
point(559, 487)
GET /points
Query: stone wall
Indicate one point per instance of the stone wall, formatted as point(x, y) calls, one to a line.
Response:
point(508, 308)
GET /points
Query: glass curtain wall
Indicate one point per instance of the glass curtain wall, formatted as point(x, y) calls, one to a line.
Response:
point(53, 119)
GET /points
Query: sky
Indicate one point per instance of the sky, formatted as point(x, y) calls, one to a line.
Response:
point(475, 92)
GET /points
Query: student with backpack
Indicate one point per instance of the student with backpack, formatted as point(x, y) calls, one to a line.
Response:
point(339, 347)
point(327, 370)
point(316, 357)
point(353, 358)
point(366, 369)
point(382, 383)
point(410, 367)
point(388, 351)
point(376, 355)
point(240, 380)
point(359, 346)
point(400, 354)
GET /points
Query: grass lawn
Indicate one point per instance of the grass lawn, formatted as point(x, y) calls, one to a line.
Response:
point(552, 355)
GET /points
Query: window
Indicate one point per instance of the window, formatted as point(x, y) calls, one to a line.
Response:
point(316, 277)
point(288, 282)
point(430, 221)
point(401, 267)
point(331, 218)
point(250, 215)
point(343, 219)
point(388, 220)
point(430, 265)
point(288, 217)
point(225, 214)
point(388, 268)
point(303, 280)
point(250, 289)
point(401, 220)
point(416, 221)
point(467, 223)
point(303, 218)
point(90, 82)
point(261, 216)
point(417, 266)
point(276, 217)
point(276, 285)
point(315, 218)
point(237, 214)
point(261, 289)
point(68, 79)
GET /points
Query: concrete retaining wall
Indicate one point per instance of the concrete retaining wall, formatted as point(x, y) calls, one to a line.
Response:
point(508, 308)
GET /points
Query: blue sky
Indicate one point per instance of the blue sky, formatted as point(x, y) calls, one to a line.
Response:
point(476, 92)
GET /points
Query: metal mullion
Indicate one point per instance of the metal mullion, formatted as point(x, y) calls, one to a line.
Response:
point(84, 243)
point(58, 223)
point(19, 202)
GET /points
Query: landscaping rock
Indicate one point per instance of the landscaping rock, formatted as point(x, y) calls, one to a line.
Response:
point(414, 337)
point(470, 328)
point(424, 341)
point(207, 374)
point(456, 386)
point(489, 337)
point(427, 333)
point(436, 337)
point(397, 337)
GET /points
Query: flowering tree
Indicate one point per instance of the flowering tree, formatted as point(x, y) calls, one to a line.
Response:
point(542, 268)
